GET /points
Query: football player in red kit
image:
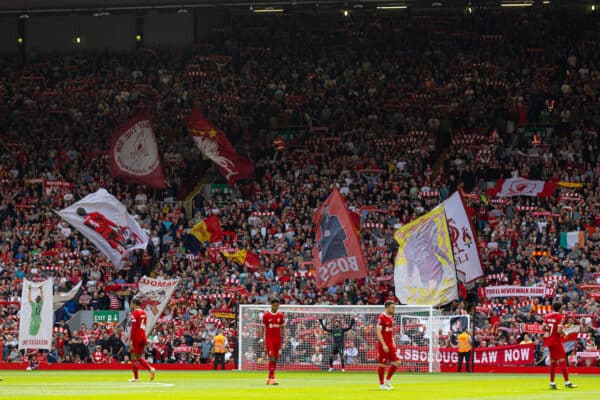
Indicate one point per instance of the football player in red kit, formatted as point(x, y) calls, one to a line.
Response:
point(137, 340)
point(553, 340)
point(273, 329)
point(386, 348)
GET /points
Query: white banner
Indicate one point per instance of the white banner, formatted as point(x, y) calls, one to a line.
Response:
point(36, 315)
point(155, 295)
point(105, 222)
point(522, 187)
point(464, 244)
point(516, 291)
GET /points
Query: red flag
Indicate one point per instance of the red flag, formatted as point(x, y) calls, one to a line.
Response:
point(214, 145)
point(134, 153)
point(338, 255)
point(252, 261)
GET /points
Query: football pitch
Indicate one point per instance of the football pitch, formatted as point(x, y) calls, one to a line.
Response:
point(177, 385)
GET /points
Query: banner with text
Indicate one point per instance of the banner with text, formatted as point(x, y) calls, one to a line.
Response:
point(515, 291)
point(155, 295)
point(35, 326)
point(519, 354)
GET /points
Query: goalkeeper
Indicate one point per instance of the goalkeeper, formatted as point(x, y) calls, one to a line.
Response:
point(338, 333)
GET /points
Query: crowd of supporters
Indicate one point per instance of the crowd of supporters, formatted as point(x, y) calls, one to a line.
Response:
point(397, 112)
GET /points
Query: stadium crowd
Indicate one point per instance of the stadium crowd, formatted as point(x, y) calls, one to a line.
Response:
point(397, 112)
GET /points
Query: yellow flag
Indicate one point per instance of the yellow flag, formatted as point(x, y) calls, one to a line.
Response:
point(424, 269)
point(237, 256)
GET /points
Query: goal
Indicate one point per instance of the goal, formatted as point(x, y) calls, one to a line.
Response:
point(308, 346)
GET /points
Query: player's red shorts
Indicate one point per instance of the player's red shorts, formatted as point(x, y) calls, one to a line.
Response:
point(386, 357)
point(138, 345)
point(273, 349)
point(557, 352)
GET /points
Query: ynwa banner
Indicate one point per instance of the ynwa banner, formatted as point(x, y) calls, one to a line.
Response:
point(134, 153)
point(214, 145)
point(522, 187)
point(424, 270)
point(515, 291)
point(60, 187)
point(464, 245)
point(155, 295)
point(519, 354)
point(337, 255)
point(105, 222)
point(35, 326)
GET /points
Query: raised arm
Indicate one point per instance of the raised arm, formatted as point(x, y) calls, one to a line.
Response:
point(351, 325)
point(323, 326)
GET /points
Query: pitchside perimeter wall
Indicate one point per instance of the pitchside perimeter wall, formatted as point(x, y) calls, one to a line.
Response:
point(208, 367)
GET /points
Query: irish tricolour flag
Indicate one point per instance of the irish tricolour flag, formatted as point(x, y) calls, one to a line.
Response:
point(568, 240)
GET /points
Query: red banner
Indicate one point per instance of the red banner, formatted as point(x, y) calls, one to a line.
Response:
point(61, 187)
point(519, 354)
point(337, 255)
point(214, 145)
point(134, 153)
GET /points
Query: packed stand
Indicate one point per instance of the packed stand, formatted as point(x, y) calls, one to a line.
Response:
point(374, 121)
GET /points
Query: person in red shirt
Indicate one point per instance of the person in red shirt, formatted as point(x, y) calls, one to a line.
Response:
point(98, 357)
point(273, 328)
point(386, 348)
point(553, 326)
point(137, 340)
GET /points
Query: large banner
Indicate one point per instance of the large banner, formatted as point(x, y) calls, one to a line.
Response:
point(424, 272)
point(155, 295)
point(105, 222)
point(337, 255)
point(519, 354)
point(522, 187)
point(36, 316)
point(134, 153)
point(464, 244)
point(214, 145)
point(516, 291)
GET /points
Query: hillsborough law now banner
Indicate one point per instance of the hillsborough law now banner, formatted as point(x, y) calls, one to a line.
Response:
point(155, 295)
point(464, 245)
point(337, 255)
point(515, 291)
point(424, 271)
point(35, 325)
point(522, 187)
point(105, 222)
point(134, 153)
point(519, 354)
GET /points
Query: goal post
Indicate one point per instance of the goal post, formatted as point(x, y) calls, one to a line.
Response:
point(309, 347)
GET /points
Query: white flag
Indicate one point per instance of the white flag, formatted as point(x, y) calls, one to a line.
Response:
point(36, 319)
point(155, 295)
point(61, 298)
point(464, 245)
point(105, 221)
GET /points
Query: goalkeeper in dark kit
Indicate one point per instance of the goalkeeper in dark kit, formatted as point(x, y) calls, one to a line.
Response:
point(338, 332)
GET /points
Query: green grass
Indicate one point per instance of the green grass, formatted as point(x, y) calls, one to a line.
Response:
point(178, 385)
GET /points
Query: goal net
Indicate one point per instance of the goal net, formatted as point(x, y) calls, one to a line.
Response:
point(309, 346)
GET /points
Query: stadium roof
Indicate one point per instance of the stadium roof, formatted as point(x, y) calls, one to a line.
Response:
point(62, 6)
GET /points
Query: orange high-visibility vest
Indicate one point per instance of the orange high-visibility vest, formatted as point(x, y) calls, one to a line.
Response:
point(220, 344)
point(464, 342)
